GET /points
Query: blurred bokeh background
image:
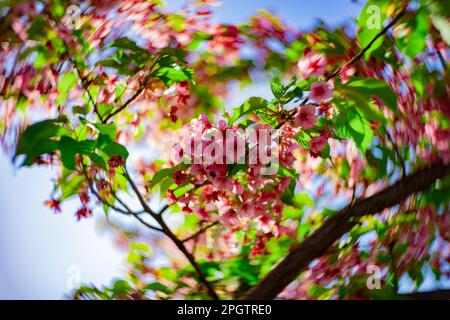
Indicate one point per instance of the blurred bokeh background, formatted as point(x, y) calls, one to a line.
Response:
point(40, 251)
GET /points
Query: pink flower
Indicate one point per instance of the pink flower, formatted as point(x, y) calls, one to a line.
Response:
point(229, 219)
point(115, 161)
point(305, 117)
point(265, 222)
point(312, 65)
point(346, 73)
point(187, 210)
point(237, 188)
point(202, 213)
point(84, 198)
point(54, 204)
point(215, 171)
point(321, 92)
point(171, 198)
point(317, 143)
point(247, 209)
point(356, 167)
point(284, 184)
point(83, 212)
point(179, 177)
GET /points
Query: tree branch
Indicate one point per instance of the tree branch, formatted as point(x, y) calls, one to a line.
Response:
point(200, 231)
point(351, 62)
point(336, 226)
point(138, 92)
point(86, 88)
point(166, 230)
point(127, 210)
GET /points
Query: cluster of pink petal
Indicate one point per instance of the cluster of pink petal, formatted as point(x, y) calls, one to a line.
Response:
point(265, 28)
point(409, 127)
point(328, 268)
point(418, 237)
point(251, 201)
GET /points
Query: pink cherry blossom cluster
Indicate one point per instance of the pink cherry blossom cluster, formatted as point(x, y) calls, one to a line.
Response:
point(248, 200)
point(314, 65)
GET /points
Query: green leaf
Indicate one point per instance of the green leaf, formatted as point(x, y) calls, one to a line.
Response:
point(288, 196)
point(352, 125)
point(419, 81)
point(414, 42)
point(37, 139)
point(71, 187)
point(177, 21)
point(303, 199)
point(174, 74)
point(128, 44)
point(107, 129)
point(175, 54)
point(41, 60)
point(370, 23)
point(292, 213)
point(70, 147)
point(141, 246)
point(68, 152)
point(251, 105)
point(97, 160)
point(243, 269)
point(234, 168)
point(325, 153)
point(38, 29)
point(166, 172)
point(277, 88)
point(161, 174)
point(358, 97)
point(373, 87)
point(66, 82)
point(115, 148)
point(111, 63)
point(121, 287)
point(156, 286)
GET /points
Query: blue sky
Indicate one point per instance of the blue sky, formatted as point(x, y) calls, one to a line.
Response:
point(38, 248)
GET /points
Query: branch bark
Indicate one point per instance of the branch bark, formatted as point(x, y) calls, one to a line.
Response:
point(138, 92)
point(180, 245)
point(336, 226)
point(352, 61)
point(199, 232)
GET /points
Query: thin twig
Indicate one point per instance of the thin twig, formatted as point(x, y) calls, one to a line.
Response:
point(351, 62)
point(441, 58)
point(138, 92)
point(86, 88)
point(397, 152)
point(200, 231)
point(166, 230)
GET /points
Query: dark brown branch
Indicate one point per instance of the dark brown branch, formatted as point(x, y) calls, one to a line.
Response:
point(336, 226)
point(86, 88)
point(138, 92)
point(441, 58)
point(166, 230)
point(163, 209)
point(397, 152)
point(200, 231)
point(367, 47)
point(126, 211)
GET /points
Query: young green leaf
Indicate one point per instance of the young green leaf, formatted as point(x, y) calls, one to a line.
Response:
point(251, 105)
